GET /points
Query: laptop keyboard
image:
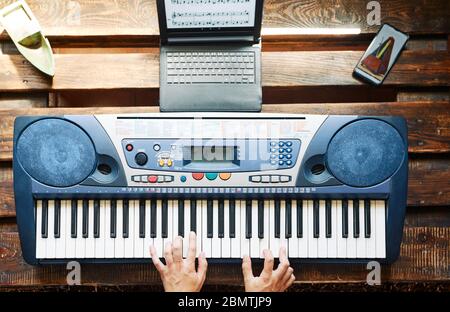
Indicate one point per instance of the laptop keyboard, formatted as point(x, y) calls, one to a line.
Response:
point(211, 67)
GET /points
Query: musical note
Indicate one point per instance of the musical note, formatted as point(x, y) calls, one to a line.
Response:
point(210, 13)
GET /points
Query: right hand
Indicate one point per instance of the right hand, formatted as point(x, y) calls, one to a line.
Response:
point(270, 280)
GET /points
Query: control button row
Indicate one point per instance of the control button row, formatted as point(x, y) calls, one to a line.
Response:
point(165, 162)
point(153, 178)
point(270, 178)
point(281, 143)
point(211, 176)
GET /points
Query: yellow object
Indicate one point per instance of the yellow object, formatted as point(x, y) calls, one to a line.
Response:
point(170, 163)
point(161, 163)
point(225, 176)
point(25, 31)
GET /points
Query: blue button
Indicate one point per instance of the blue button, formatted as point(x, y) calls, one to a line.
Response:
point(211, 176)
point(273, 162)
point(273, 143)
point(281, 144)
point(280, 156)
point(288, 150)
point(183, 179)
point(273, 150)
point(281, 150)
point(289, 143)
point(281, 162)
point(273, 156)
point(289, 163)
point(289, 156)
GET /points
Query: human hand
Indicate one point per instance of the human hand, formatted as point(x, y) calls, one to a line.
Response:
point(179, 274)
point(270, 280)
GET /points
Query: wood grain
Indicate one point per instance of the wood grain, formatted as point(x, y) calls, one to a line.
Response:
point(428, 122)
point(424, 257)
point(279, 69)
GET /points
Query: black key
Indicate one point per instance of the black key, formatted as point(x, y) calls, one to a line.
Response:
point(165, 219)
point(181, 218)
point(96, 218)
point(356, 218)
point(153, 219)
point(277, 219)
point(221, 219)
point(288, 222)
point(367, 229)
point(260, 219)
point(248, 219)
point(316, 218)
point(74, 218)
point(85, 218)
point(194, 215)
point(328, 218)
point(44, 223)
point(232, 219)
point(209, 219)
point(57, 227)
point(113, 220)
point(141, 218)
point(299, 218)
point(126, 217)
point(345, 218)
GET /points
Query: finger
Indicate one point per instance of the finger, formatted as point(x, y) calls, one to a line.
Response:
point(284, 262)
point(247, 268)
point(268, 263)
point(168, 254)
point(287, 276)
point(192, 251)
point(202, 266)
point(289, 282)
point(156, 262)
point(177, 251)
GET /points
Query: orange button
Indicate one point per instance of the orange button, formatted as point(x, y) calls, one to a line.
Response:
point(198, 176)
point(225, 176)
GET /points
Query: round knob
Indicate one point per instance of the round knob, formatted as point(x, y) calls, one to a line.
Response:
point(141, 158)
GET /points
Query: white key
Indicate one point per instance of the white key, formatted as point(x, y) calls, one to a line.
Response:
point(51, 252)
point(341, 241)
point(303, 241)
point(60, 243)
point(70, 242)
point(351, 240)
point(206, 242)
point(283, 240)
point(199, 227)
point(138, 241)
point(226, 248)
point(332, 241)
point(109, 241)
point(80, 248)
point(235, 242)
point(313, 243)
point(148, 240)
point(370, 242)
point(187, 227)
point(274, 243)
point(361, 240)
point(264, 242)
point(90, 241)
point(254, 241)
point(119, 242)
point(100, 242)
point(245, 243)
point(380, 229)
point(293, 241)
point(41, 243)
point(158, 240)
point(322, 242)
point(129, 241)
point(216, 241)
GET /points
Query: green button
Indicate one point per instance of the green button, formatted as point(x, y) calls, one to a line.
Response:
point(211, 176)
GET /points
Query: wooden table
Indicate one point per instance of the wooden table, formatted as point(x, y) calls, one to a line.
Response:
point(107, 60)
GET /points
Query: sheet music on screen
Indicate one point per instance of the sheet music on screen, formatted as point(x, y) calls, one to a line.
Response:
point(210, 13)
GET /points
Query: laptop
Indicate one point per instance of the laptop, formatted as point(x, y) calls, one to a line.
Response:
point(210, 55)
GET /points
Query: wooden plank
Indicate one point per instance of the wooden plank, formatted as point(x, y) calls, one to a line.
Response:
point(68, 21)
point(27, 100)
point(279, 69)
point(424, 257)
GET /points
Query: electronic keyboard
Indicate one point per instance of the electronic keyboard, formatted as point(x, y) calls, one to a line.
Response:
point(103, 188)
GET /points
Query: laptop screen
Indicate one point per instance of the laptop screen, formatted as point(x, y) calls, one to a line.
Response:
point(185, 14)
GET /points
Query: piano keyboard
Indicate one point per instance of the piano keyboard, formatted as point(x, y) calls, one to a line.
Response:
point(114, 229)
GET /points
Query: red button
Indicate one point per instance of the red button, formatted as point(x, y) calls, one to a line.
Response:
point(152, 179)
point(129, 147)
point(198, 176)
